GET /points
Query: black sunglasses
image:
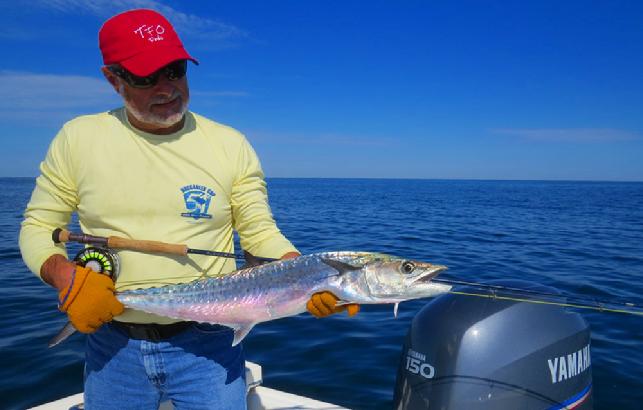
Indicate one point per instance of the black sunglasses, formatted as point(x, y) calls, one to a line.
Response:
point(172, 71)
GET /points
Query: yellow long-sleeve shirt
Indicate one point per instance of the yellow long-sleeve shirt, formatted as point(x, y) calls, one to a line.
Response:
point(192, 187)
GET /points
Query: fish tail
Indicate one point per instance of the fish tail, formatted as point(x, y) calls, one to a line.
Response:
point(64, 333)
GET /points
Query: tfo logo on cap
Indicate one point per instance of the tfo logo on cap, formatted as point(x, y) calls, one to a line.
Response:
point(151, 33)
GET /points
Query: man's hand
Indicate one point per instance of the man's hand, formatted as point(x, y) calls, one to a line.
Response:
point(89, 300)
point(323, 304)
point(290, 255)
point(86, 296)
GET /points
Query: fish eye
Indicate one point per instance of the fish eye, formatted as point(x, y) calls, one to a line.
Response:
point(407, 267)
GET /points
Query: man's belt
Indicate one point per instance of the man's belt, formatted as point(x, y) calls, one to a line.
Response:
point(153, 332)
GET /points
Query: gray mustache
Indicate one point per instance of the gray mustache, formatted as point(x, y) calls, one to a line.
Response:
point(165, 100)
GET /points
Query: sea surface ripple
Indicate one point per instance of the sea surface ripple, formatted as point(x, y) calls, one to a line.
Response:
point(584, 238)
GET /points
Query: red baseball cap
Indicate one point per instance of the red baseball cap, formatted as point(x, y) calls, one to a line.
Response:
point(142, 41)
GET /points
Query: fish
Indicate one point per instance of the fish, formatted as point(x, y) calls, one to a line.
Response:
point(278, 289)
point(282, 288)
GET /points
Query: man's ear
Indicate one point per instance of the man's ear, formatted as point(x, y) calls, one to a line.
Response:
point(111, 77)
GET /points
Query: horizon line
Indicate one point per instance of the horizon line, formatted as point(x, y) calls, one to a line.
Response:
point(429, 179)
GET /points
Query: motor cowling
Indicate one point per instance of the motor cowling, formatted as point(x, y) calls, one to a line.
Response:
point(469, 352)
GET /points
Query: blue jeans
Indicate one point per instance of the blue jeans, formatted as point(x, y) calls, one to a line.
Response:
point(195, 369)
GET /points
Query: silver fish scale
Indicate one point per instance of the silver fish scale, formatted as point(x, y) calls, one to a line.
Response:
point(255, 294)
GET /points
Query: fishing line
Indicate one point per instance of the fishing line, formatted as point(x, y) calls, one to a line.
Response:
point(532, 297)
point(504, 288)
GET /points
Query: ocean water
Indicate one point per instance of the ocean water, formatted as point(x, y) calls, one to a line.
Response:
point(584, 238)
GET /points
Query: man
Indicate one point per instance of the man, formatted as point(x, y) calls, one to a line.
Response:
point(152, 170)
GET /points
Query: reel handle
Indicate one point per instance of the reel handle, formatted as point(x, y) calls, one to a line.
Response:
point(117, 242)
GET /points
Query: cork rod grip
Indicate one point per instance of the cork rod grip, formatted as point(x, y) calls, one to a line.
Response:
point(116, 242)
point(146, 246)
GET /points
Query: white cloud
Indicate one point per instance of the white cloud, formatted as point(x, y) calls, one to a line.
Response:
point(206, 33)
point(325, 139)
point(31, 96)
point(569, 134)
point(219, 93)
point(27, 96)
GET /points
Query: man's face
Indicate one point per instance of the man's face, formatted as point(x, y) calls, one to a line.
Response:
point(157, 108)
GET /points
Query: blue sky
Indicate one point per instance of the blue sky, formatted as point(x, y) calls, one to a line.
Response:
point(385, 89)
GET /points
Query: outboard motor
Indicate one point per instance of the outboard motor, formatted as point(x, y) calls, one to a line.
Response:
point(468, 352)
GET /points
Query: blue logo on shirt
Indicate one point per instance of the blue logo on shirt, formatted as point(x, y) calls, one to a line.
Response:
point(197, 201)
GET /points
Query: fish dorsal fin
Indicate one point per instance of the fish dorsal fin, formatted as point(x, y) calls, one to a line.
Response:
point(340, 266)
point(251, 260)
point(240, 332)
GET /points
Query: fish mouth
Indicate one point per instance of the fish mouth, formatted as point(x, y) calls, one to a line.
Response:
point(431, 271)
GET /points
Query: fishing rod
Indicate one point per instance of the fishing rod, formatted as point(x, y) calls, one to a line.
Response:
point(509, 293)
point(490, 291)
point(116, 242)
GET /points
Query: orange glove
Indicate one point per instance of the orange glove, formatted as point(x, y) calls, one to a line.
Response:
point(89, 300)
point(323, 304)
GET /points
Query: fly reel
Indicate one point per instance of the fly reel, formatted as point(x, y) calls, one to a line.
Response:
point(99, 260)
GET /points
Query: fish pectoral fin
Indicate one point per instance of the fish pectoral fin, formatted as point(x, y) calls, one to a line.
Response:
point(240, 332)
point(395, 309)
point(340, 266)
